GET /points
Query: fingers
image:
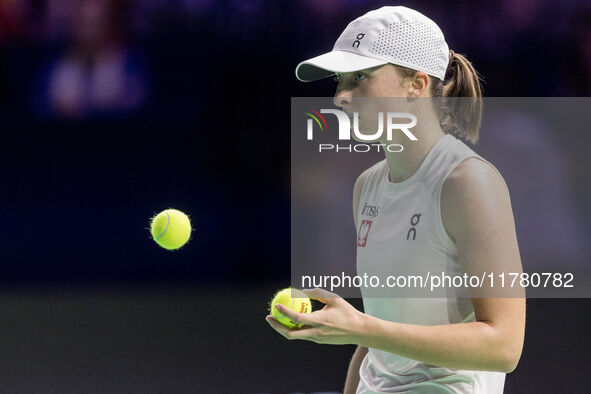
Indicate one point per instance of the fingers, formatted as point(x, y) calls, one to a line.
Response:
point(305, 333)
point(324, 296)
point(301, 318)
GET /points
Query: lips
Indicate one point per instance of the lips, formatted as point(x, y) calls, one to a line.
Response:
point(350, 114)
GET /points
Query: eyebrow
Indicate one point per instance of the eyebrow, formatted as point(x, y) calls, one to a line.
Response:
point(354, 72)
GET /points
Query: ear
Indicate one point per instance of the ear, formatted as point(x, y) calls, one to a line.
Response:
point(419, 84)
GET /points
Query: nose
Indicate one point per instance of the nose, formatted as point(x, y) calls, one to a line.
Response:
point(342, 97)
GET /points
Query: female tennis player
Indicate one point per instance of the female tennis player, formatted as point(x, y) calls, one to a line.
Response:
point(436, 201)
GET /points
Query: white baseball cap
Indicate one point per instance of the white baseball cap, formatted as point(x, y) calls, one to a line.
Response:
point(397, 35)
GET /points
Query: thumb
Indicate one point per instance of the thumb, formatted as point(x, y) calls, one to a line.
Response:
point(324, 296)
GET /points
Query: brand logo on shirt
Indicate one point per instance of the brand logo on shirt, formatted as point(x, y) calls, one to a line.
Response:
point(370, 210)
point(412, 231)
point(363, 233)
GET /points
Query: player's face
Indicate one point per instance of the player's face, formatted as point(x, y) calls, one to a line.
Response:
point(369, 92)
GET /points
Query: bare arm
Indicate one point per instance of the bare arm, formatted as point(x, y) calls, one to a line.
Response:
point(353, 372)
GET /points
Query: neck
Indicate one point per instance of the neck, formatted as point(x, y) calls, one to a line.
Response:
point(404, 164)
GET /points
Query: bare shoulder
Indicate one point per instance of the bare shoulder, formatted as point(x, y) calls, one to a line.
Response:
point(475, 189)
point(473, 177)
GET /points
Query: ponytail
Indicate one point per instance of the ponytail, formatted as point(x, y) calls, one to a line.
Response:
point(461, 117)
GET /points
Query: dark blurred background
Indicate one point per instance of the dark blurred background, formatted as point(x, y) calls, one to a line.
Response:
point(112, 110)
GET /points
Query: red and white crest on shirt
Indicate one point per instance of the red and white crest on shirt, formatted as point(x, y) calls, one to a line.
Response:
point(363, 233)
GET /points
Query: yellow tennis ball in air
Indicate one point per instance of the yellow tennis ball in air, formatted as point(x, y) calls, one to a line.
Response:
point(171, 229)
point(294, 299)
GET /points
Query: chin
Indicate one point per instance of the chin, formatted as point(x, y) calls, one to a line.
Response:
point(354, 136)
point(376, 141)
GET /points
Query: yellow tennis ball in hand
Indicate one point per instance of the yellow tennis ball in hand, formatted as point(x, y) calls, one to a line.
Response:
point(294, 299)
point(171, 229)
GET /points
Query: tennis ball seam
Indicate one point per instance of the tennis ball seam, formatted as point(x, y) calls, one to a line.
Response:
point(165, 227)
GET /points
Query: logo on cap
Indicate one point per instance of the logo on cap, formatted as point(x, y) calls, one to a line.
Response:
point(358, 40)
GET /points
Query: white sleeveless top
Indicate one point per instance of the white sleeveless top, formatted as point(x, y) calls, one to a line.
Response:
point(400, 223)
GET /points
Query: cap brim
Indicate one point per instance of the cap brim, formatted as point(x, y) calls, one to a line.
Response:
point(324, 66)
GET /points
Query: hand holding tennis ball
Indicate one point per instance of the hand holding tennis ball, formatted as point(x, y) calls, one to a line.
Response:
point(171, 229)
point(291, 298)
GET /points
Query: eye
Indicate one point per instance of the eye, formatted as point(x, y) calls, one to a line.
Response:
point(336, 78)
point(359, 76)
